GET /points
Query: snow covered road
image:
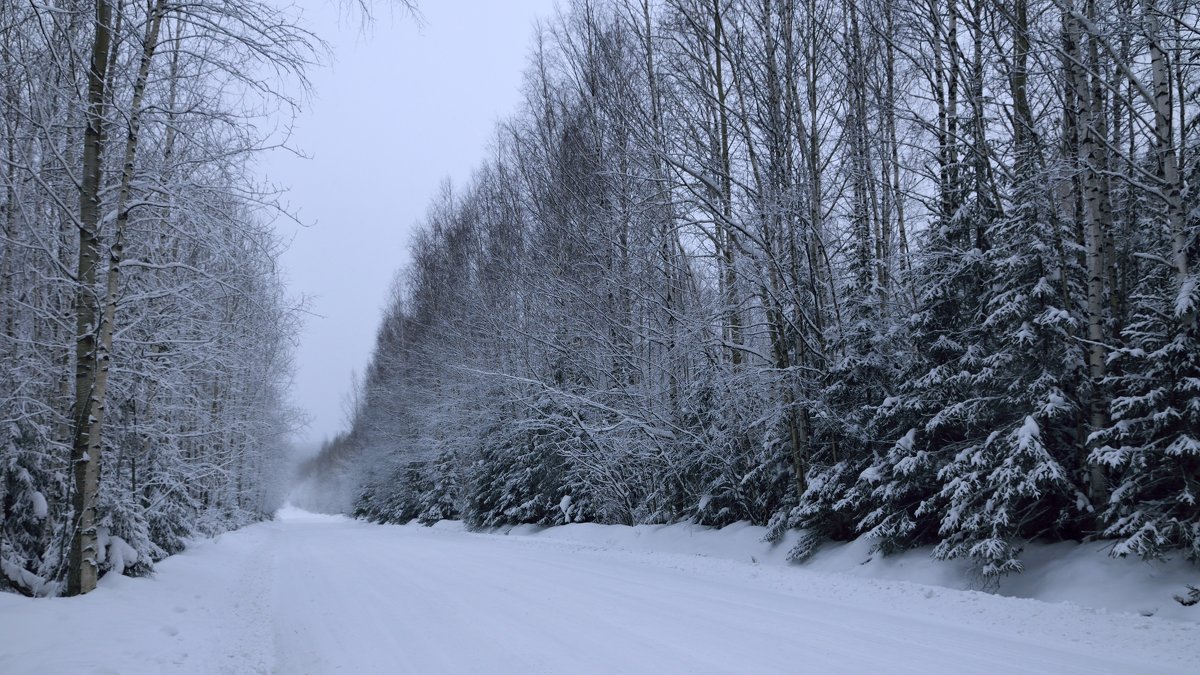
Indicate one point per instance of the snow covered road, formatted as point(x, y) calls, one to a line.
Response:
point(319, 594)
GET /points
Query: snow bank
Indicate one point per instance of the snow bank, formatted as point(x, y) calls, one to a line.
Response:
point(1082, 574)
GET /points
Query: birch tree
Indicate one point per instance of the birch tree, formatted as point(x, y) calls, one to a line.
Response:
point(134, 239)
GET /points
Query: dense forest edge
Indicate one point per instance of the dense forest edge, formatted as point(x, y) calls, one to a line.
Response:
point(918, 270)
point(146, 332)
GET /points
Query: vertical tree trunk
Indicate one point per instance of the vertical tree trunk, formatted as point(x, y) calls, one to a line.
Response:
point(860, 173)
point(9, 213)
point(94, 346)
point(83, 568)
point(952, 79)
point(726, 237)
point(893, 141)
point(944, 86)
point(1171, 187)
point(1018, 77)
point(1089, 149)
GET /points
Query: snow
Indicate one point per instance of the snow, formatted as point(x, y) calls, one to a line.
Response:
point(1029, 435)
point(1083, 575)
point(1184, 301)
point(121, 554)
point(323, 594)
point(27, 579)
point(114, 550)
point(40, 508)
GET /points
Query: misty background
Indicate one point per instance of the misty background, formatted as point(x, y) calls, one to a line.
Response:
point(403, 106)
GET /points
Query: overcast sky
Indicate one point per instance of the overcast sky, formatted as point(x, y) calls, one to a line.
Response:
point(400, 109)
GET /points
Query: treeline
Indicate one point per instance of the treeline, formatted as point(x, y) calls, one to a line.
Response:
point(145, 332)
point(923, 270)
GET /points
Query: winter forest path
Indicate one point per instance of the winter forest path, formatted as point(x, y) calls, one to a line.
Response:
point(321, 594)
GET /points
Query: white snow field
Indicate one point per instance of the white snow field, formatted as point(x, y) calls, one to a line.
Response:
point(324, 594)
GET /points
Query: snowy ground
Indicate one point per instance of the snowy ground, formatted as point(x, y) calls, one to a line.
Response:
point(1083, 574)
point(320, 594)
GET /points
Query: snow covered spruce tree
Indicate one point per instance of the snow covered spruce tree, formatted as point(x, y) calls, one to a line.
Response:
point(140, 302)
point(920, 271)
point(993, 450)
point(1153, 444)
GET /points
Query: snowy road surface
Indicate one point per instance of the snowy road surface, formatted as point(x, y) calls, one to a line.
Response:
point(318, 594)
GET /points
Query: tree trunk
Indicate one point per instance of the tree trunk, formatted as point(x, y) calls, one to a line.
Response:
point(1089, 149)
point(83, 568)
point(94, 344)
point(1164, 146)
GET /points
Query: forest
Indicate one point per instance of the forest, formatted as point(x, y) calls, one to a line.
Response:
point(146, 334)
point(919, 270)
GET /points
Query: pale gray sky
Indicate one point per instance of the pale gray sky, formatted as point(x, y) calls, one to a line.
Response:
point(400, 109)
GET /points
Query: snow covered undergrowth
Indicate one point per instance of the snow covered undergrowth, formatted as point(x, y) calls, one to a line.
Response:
point(1082, 574)
point(323, 594)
